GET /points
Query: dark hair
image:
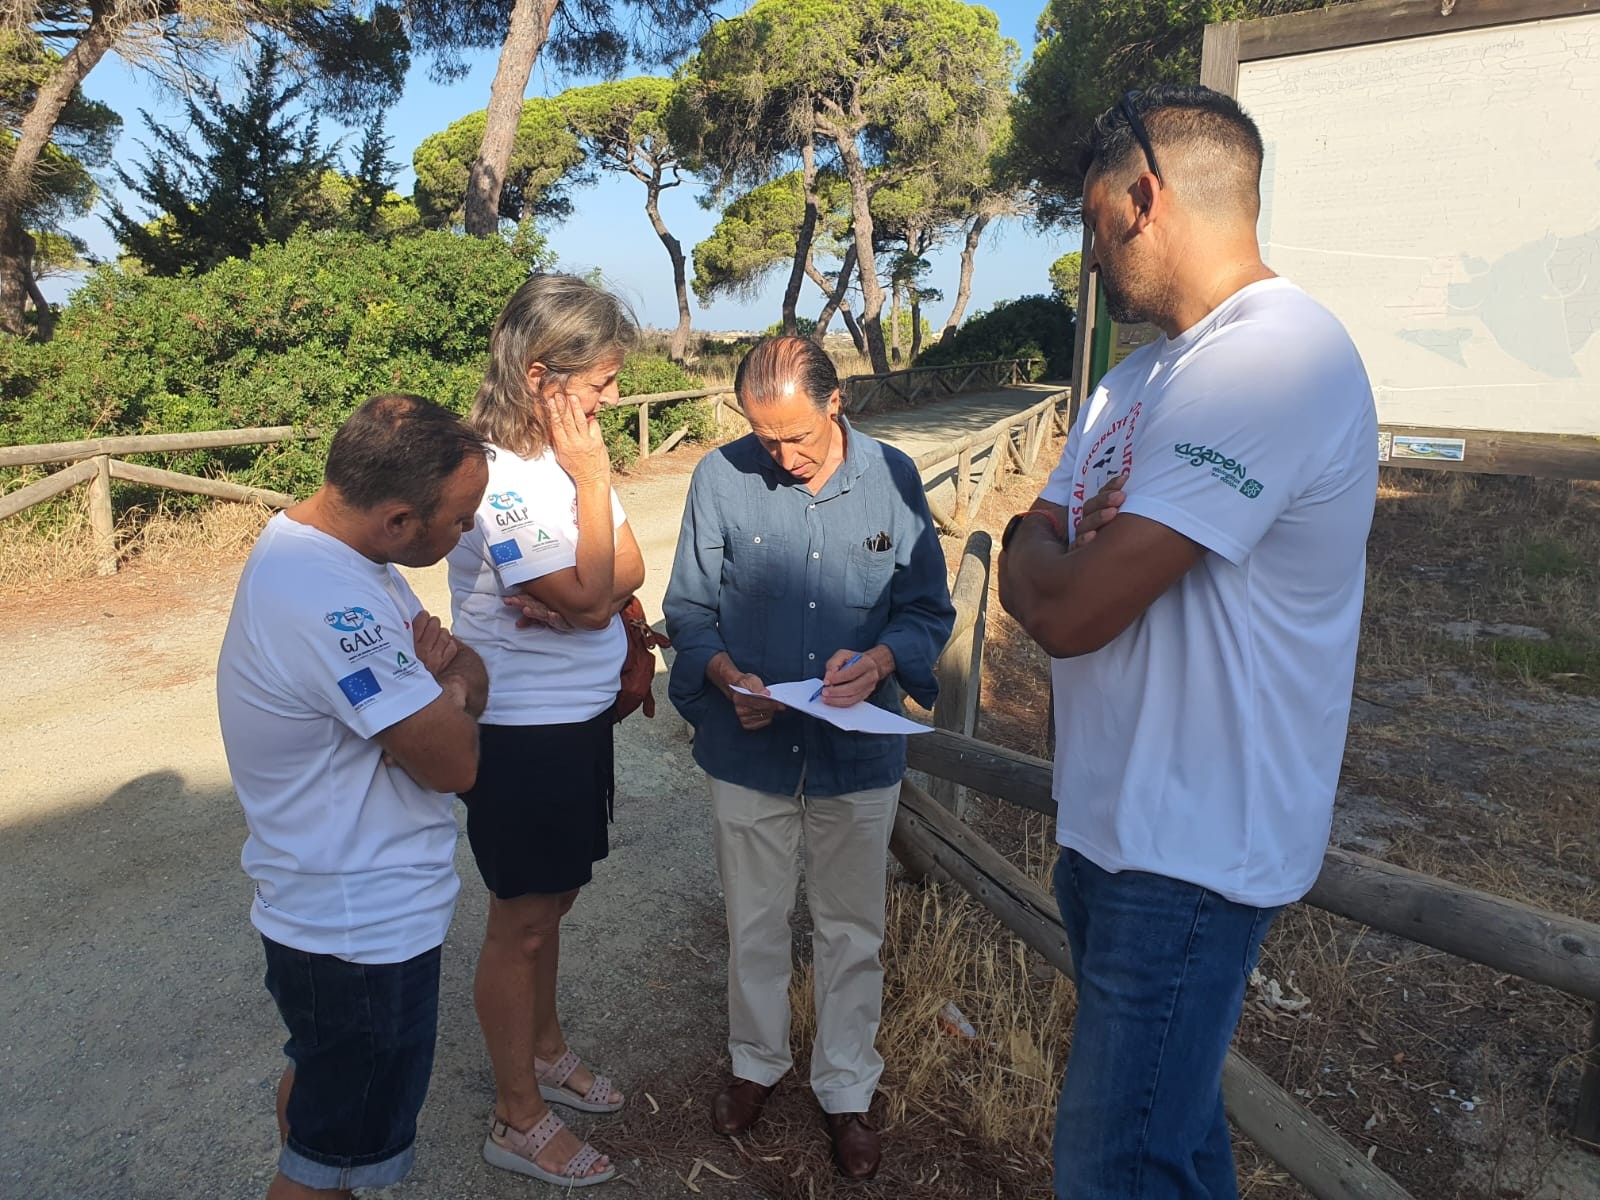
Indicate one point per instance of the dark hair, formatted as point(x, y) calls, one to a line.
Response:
point(399, 447)
point(776, 365)
point(1175, 115)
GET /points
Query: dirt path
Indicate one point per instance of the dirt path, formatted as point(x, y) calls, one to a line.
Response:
point(141, 1051)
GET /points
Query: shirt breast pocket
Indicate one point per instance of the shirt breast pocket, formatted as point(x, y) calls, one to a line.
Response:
point(755, 563)
point(868, 576)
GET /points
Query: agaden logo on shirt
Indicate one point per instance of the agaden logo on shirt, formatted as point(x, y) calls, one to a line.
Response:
point(1230, 470)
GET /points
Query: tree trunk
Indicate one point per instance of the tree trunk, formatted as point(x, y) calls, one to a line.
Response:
point(47, 319)
point(835, 292)
point(964, 291)
point(894, 323)
point(866, 261)
point(17, 182)
point(803, 239)
point(854, 326)
point(916, 327)
point(680, 335)
point(529, 28)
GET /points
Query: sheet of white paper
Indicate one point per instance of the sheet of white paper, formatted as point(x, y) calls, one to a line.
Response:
point(858, 718)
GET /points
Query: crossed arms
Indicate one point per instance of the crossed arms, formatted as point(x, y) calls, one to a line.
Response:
point(1073, 598)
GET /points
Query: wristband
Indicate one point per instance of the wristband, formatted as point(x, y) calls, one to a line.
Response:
point(1016, 521)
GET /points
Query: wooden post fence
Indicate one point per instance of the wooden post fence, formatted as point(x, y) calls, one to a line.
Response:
point(719, 398)
point(1287, 1132)
point(97, 461)
point(94, 463)
point(915, 385)
point(960, 666)
point(1033, 424)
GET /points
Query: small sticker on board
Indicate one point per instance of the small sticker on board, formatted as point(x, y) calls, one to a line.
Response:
point(1385, 440)
point(1437, 449)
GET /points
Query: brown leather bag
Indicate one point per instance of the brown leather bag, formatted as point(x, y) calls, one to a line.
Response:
point(639, 668)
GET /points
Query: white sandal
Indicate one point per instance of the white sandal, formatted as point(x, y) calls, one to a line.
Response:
point(552, 1086)
point(514, 1150)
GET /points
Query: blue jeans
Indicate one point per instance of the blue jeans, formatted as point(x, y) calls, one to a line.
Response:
point(361, 1038)
point(1161, 970)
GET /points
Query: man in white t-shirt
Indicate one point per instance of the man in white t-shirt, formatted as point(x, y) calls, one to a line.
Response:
point(1195, 568)
point(349, 719)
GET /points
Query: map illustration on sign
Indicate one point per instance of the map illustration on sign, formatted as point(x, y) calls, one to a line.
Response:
point(1442, 196)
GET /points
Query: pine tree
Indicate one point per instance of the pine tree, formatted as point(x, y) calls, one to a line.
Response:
point(374, 178)
point(253, 179)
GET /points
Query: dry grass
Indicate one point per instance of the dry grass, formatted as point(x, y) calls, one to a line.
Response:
point(1472, 760)
point(961, 1117)
point(56, 545)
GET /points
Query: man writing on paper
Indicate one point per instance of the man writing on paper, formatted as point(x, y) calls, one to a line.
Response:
point(1195, 567)
point(350, 718)
point(806, 553)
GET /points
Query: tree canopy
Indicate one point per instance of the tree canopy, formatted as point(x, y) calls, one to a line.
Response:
point(545, 162)
point(253, 178)
point(757, 233)
point(621, 125)
point(884, 84)
point(1089, 53)
point(355, 51)
point(1065, 275)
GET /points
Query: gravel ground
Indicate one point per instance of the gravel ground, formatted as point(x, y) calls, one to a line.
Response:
point(140, 1050)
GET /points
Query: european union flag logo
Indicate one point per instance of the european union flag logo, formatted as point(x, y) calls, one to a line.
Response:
point(360, 687)
point(505, 552)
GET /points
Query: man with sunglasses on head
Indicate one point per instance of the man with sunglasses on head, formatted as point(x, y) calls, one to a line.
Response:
point(1194, 567)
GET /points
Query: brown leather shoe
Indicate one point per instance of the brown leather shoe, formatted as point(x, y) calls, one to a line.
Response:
point(738, 1106)
point(856, 1146)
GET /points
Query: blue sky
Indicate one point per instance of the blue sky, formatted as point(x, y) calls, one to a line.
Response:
point(608, 228)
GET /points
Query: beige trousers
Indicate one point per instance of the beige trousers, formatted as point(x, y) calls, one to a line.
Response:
point(846, 841)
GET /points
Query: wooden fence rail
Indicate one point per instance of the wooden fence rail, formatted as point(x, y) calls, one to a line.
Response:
point(1033, 423)
point(720, 397)
point(96, 466)
point(960, 665)
point(96, 462)
point(914, 385)
point(1317, 1157)
point(1544, 947)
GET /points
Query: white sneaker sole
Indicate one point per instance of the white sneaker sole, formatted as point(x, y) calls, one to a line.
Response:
point(497, 1155)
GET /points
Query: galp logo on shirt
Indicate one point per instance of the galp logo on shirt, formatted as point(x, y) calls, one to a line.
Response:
point(349, 619)
point(510, 511)
point(361, 633)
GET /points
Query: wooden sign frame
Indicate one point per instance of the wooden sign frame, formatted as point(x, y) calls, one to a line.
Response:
point(1227, 45)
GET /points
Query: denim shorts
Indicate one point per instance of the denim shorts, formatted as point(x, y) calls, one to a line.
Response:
point(361, 1039)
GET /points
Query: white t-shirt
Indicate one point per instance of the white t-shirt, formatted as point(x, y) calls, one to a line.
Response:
point(527, 527)
point(1204, 742)
point(350, 857)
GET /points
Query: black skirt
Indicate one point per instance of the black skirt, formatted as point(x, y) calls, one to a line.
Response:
point(536, 818)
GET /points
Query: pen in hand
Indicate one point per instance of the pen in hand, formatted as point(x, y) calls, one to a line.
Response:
point(816, 695)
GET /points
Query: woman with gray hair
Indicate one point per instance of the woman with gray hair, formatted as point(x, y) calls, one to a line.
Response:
point(550, 542)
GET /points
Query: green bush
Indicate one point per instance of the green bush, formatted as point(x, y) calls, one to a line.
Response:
point(645, 374)
point(1030, 327)
point(298, 334)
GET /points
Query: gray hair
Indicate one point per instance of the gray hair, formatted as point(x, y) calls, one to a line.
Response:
point(564, 322)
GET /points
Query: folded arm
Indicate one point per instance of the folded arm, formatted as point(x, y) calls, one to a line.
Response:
point(1075, 599)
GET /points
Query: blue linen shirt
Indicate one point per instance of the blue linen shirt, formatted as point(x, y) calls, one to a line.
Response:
point(782, 579)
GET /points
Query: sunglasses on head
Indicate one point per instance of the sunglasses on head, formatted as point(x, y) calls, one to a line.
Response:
point(1136, 123)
